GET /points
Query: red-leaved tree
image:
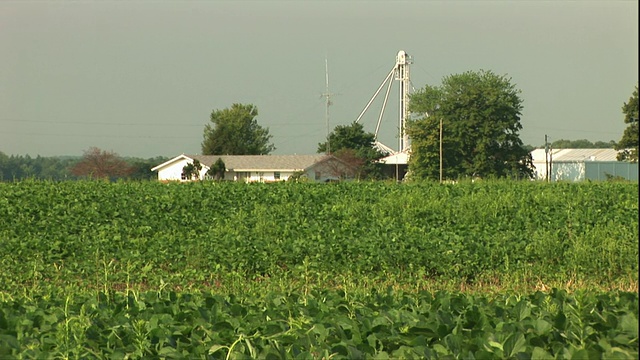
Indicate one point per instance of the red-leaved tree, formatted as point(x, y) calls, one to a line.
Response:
point(96, 163)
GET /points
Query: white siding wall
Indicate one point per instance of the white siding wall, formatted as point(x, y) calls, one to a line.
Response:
point(539, 170)
point(173, 172)
point(561, 170)
point(203, 172)
point(254, 176)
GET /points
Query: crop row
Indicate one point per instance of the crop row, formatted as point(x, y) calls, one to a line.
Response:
point(92, 233)
point(329, 324)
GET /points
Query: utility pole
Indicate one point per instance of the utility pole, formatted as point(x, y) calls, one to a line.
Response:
point(550, 164)
point(546, 158)
point(440, 150)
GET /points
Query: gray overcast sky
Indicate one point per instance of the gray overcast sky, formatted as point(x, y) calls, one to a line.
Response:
point(141, 77)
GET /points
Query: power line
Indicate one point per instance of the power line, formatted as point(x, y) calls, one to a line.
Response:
point(18, 133)
point(66, 122)
point(134, 124)
point(97, 136)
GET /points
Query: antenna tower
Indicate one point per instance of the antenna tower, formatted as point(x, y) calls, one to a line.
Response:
point(327, 95)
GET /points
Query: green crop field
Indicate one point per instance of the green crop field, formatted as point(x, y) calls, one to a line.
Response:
point(295, 270)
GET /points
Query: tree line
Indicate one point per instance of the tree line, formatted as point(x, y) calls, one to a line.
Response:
point(581, 144)
point(95, 163)
point(469, 126)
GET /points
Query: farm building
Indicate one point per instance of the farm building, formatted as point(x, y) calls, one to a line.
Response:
point(582, 164)
point(395, 165)
point(259, 168)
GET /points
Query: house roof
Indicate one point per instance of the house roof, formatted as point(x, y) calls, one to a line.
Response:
point(400, 158)
point(538, 155)
point(170, 161)
point(255, 162)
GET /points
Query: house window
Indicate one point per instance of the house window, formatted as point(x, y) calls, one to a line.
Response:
point(318, 175)
point(261, 176)
point(276, 175)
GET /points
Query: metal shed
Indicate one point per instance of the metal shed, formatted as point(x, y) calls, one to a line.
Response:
point(582, 164)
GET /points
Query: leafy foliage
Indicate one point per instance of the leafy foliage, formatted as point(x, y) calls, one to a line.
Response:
point(193, 233)
point(480, 113)
point(581, 144)
point(629, 142)
point(191, 171)
point(354, 146)
point(235, 131)
point(298, 176)
point(217, 170)
point(322, 324)
point(142, 167)
point(57, 168)
point(300, 270)
point(16, 167)
point(101, 164)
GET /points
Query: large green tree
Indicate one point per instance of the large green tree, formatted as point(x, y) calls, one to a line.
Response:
point(629, 142)
point(480, 113)
point(235, 131)
point(354, 146)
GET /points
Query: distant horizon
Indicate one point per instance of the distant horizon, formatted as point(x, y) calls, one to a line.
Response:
point(124, 156)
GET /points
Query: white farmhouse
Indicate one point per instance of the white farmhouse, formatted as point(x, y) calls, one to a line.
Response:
point(260, 168)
